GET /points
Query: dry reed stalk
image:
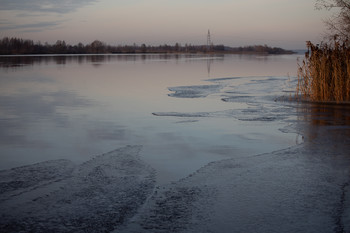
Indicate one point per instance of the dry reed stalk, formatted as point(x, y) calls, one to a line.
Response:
point(347, 87)
point(325, 73)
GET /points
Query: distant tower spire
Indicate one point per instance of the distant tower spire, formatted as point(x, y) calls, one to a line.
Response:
point(208, 40)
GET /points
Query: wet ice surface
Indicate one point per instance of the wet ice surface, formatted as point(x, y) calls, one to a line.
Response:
point(58, 196)
point(283, 191)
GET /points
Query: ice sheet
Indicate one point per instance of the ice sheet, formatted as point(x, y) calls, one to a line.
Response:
point(285, 191)
point(57, 196)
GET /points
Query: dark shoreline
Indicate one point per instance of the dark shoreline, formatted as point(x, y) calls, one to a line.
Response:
point(18, 46)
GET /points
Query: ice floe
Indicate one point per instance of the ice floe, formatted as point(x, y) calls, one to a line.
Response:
point(261, 95)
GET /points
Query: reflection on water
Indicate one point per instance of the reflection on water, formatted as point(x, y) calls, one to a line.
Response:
point(13, 61)
point(326, 114)
point(33, 108)
point(75, 107)
point(327, 129)
point(31, 60)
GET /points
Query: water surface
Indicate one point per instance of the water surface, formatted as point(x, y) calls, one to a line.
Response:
point(185, 110)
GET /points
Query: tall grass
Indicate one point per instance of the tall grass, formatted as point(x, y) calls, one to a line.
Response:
point(324, 75)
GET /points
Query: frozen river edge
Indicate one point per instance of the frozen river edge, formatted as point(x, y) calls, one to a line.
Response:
point(283, 191)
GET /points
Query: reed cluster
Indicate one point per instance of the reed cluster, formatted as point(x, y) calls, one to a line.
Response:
point(324, 75)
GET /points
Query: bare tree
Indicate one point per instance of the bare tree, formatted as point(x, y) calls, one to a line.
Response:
point(339, 24)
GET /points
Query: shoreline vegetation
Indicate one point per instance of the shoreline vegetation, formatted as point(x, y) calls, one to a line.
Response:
point(18, 46)
point(324, 75)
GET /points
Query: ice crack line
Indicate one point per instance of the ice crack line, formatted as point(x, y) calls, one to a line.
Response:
point(340, 211)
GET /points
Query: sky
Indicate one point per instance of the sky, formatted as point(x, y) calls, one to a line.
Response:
point(277, 23)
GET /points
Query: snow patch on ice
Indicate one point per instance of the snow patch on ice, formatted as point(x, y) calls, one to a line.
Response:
point(199, 91)
point(238, 98)
point(173, 208)
point(20, 180)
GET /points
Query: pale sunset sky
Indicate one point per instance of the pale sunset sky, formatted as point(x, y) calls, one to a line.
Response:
point(280, 23)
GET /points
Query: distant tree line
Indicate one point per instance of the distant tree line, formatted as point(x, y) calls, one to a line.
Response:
point(260, 49)
point(16, 46)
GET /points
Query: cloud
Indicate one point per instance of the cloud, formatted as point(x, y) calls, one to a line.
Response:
point(31, 26)
point(31, 14)
point(52, 6)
